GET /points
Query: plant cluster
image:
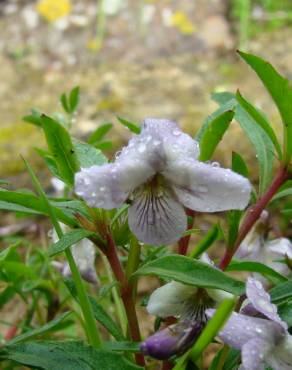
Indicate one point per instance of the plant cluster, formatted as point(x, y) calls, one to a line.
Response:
point(137, 213)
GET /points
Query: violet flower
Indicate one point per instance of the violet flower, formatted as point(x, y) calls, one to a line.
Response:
point(262, 340)
point(158, 172)
point(188, 304)
point(255, 247)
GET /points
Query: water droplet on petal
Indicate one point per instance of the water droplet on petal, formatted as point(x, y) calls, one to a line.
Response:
point(176, 132)
point(102, 188)
point(156, 142)
point(215, 164)
point(141, 148)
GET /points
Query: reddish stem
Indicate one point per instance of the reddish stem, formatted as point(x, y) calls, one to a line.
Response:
point(183, 243)
point(126, 295)
point(253, 214)
point(11, 333)
point(167, 365)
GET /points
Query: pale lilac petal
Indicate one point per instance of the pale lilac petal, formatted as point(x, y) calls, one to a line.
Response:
point(204, 188)
point(109, 185)
point(280, 246)
point(261, 300)
point(240, 329)
point(277, 363)
point(253, 353)
point(156, 217)
point(172, 299)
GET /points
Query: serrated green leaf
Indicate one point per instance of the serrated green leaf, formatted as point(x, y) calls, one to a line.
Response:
point(61, 148)
point(48, 327)
point(261, 120)
point(70, 355)
point(252, 266)
point(99, 133)
point(280, 91)
point(130, 125)
point(191, 272)
point(88, 155)
point(213, 134)
point(74, 99)
point(67, 240)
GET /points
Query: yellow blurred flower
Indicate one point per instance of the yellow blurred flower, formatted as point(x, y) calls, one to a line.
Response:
point(182, 22)
point(52, 10)
point(93, 45)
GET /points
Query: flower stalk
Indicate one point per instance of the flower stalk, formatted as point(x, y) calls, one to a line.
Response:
point(254, 213)
point(183, 243)
point(126, 293)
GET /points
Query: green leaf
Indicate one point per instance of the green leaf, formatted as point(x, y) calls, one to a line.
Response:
point(206, 242)
point(34, 117)
point(130, 125)
point(285, 312)
point(68, 239)
point(261, 120)
point(282, 194)
point(191, 272)
point(122, 346)
point(99, 133)
point(74, 99)
point(281, 291)
point(104, 145)
point(213, 134)
point(212, 328)
point(31, 204)
point(70, 355)
point(279, 89)
point(64, 102)
point(48, 327)
point(256, 267)
point(61, 148)
point(88, 155)
point(99, 312)
point(239, 165)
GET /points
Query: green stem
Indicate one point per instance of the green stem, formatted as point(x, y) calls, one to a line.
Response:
point(133, 257)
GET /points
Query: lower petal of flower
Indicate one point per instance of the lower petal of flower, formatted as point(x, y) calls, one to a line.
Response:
point(156, 217)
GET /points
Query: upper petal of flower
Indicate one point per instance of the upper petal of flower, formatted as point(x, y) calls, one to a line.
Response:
point(156, 217)
point(204, 188)
point(261, 300)
point(171, 299)
point(109, 185)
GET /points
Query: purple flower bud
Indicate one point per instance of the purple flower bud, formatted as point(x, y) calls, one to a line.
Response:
point(173, 340)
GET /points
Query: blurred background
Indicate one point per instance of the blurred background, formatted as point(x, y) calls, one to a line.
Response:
point(135, 59)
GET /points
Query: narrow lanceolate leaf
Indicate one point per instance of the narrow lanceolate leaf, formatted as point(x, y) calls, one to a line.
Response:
point(48, 327)
point(99, 312)
point(239, 165)
point(283, 193)
point(191, 272)
point(212, 328)
point(88, 155)
point(130, 125)
point(74, 99)
point(285, 311)
point(213, 134)
point(279, 89)
point(99, 133)
point(261, 120)
point(256, 267)
point(61, 148)
point(206, 242)
point(70, 355)
point(31, 204)
point(281, 291)
point(68, 239)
